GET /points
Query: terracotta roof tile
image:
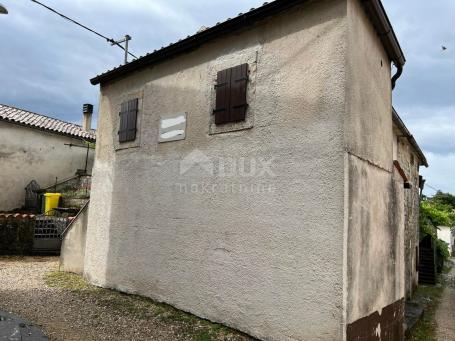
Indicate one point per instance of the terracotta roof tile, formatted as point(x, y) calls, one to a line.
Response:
point(33, 120)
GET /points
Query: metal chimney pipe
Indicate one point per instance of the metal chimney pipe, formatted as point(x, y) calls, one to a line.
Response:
point(87, 111)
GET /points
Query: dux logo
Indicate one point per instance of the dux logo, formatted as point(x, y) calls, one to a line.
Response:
point(226, 167)
point(196, 159)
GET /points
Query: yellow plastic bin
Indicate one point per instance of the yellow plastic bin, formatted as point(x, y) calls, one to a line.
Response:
point(51, 201)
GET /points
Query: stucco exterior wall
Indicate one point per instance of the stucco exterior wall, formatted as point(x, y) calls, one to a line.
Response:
point(28, 154)
point(374, 223)
point(232, 244)
point(253, 259)
point(368, 124)
point(409, 162)
point(375, 271)
point(72, 253)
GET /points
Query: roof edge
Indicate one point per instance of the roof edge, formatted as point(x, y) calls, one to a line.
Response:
point(374, 9)
point(400, 124)
point(50, 131)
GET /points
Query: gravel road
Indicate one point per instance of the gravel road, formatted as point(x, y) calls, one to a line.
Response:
point(66, 315)
point(445, 313)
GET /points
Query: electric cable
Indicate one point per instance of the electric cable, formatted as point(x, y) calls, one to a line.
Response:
point(109, 40)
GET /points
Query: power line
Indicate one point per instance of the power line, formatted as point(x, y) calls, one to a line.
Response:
point(109, 40)
point(431, 187)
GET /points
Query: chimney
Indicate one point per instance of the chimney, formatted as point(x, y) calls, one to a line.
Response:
point(87, 110)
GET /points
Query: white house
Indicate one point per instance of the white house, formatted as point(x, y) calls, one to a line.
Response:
point(445, 234)
point(247, 174)
point(40, 148)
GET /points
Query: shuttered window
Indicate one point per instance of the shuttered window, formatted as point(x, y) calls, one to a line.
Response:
point(128, 121)
point(231, 101)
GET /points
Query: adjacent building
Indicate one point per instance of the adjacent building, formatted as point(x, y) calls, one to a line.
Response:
point(253, 174)
point(40, 148)
point(408, 158)
point(446, 235)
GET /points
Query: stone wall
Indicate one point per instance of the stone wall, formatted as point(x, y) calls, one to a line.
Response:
point(16, 234)
point(410, 163)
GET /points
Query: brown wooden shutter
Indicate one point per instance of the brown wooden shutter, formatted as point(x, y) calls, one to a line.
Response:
point(132, 119)
point(123, 119)
point(238, 103)
point(222, 106)
point(231, 101)
point(128, 121)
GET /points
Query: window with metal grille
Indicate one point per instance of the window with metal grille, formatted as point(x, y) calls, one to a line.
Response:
point(231, 101)
point(128, 121)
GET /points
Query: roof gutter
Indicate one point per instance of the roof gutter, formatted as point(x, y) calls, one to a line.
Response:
point(375, 10)
point(406, 133)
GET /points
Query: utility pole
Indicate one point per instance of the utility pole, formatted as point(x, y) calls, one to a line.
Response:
point(124, 40)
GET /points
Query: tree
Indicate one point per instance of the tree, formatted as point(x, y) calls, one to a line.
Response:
point(444, 199)
point(435, 212)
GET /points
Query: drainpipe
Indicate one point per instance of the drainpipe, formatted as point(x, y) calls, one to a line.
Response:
point(397, 74)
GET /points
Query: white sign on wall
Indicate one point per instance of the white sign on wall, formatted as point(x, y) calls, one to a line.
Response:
point(172, 128)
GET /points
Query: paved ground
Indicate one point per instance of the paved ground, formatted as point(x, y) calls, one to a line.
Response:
point(68, 315)
point(14, 328)
point(445, 314)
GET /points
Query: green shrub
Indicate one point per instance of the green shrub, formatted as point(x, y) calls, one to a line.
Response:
point(442, 249)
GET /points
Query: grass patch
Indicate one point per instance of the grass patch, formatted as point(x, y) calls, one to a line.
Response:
point(425, 330)
point(188, 325)
point(66, 281)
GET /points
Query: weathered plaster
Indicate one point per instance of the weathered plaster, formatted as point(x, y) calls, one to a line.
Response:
point(374, 273)
point(28, 154)
point(409, 162)
point(368, 125)
point(255, 261)
point(72, 253)
point(375, 240)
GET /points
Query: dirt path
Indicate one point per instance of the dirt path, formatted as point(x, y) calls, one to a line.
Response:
point(93, 314)
point(445, 314)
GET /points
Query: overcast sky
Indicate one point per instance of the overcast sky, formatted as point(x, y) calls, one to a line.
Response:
point(46, 62)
